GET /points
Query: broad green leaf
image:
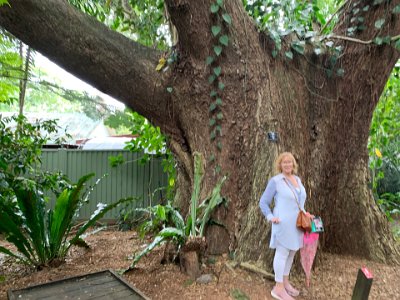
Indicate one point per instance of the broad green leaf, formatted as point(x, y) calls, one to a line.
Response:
point(220, 2)
point(396, 9)
point(214, 8)
point(221, 86)
point(217, 50)
point(212, 122)
point(397, 45)
point(217, 71)
point(386, 40)
point(215, 30)
point(213, 135)
point(379, 23)
point(377, 2)
point(209, 60)
point(211, 79)
point(212, 107)
point(299, 48)
point(169, 89)
point(219, 145)
point(318, 51)
point(340, 72)
point(289, 54)
point(218, 101)
point(219, 116)
point(366, 8)
point(274, 53)
point(378, 40)
point(213, 93)
point(227, 18)
point(224, 40)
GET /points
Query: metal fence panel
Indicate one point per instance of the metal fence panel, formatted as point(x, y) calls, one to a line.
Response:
point(131, 179)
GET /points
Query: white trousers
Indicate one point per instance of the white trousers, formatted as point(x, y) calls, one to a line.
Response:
point(283, 261)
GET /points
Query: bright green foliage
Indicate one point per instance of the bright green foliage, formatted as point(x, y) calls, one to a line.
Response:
point(10, 63)
point(174, 228)
point(20, 150)
point(384, 143)
point(143, 21)
point(40, 236)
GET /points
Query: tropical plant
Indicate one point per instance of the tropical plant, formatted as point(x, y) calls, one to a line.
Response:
point(42, 236)
point(175, 229)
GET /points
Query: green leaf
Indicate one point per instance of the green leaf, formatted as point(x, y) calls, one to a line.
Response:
point(218, 101)
point(218, 129)
point(215, 30)
point(289, 54)
point(220, 2)
point(396, 9)
point(217, 50)
point(219, 145)
point(274, 53)
point(379, 23)
point(213, 93)
point(169, 89)
point(377, 2)
point(212, 135)
point(378, 40)
point(213, 106)
point(209, 60)
point(211, 79)
point(318, 51)
point(298, 47)
point(212, 122)
point(386, 40)
point(217, 71)
point(227, 18)
point(212, 158)
point(365, 8)
point(224, 40)
point(340, 72)
point(214, 8)
point(217, 169)
point(221, 86)
point(397, 45)
point(219, 116)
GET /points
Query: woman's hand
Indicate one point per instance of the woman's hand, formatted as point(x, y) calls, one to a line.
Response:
point(275, 220)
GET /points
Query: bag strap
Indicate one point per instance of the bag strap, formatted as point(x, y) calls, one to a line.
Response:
point(295, 198)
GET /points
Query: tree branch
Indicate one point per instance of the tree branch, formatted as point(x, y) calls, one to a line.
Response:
point(83, 46)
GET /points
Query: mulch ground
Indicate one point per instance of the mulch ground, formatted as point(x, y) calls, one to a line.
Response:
point(333, 278)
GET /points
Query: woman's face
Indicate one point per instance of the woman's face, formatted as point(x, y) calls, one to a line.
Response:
point(287, 165)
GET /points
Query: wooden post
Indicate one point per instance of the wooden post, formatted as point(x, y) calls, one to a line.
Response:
point(363, 285)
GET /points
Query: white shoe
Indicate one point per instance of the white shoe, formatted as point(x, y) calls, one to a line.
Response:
point(275, 296)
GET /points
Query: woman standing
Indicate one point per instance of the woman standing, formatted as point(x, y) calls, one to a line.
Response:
point(286, 238)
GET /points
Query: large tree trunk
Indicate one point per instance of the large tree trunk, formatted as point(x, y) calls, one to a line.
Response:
point(323, 121)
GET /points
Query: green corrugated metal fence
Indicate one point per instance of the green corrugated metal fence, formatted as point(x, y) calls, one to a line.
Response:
point(130, 179)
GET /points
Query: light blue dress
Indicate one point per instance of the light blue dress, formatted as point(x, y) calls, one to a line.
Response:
point(286, 209)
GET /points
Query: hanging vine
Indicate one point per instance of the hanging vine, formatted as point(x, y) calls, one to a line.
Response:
point(219, 29)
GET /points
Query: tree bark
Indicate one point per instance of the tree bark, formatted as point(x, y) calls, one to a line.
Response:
point(324, 121)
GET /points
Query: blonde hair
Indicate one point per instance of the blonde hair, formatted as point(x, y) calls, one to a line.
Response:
point(278, 162)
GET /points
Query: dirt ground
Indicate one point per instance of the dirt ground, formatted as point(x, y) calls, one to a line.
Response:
point(334, 278)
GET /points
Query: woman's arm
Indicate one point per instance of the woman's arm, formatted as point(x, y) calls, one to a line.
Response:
point(266, 199)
